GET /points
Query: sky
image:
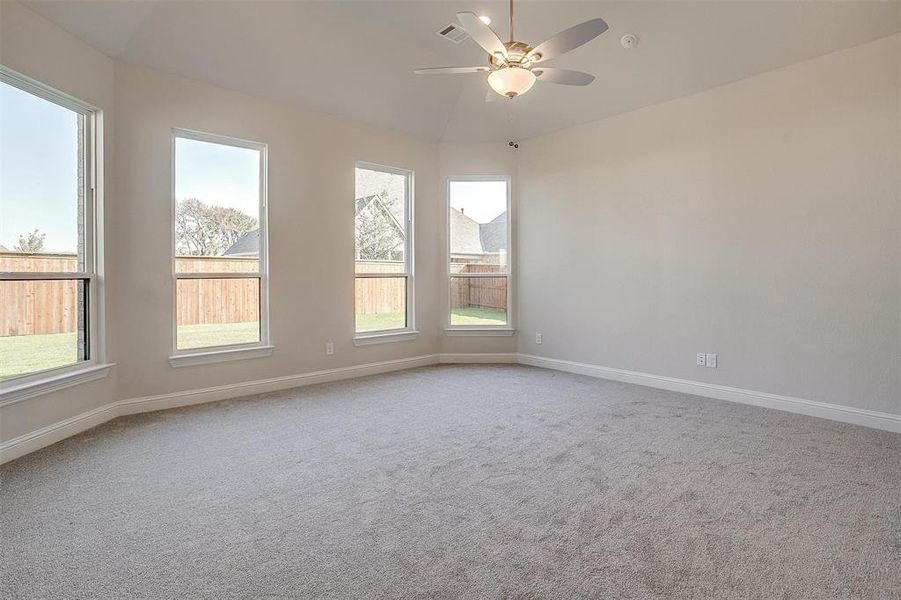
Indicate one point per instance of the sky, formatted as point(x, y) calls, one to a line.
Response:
point(38, 170)
point(218, 174)
point(481, 201)
point(38, 179)
point(39, 162)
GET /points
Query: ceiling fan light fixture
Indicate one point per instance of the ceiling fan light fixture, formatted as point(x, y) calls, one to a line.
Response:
point(511, 81)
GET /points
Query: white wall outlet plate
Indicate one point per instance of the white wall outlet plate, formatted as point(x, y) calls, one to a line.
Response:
point(700, 359)
point(330, 348)
point(711, 361)
point(538, 338)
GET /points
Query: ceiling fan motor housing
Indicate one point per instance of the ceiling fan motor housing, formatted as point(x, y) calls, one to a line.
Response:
point(517, 53)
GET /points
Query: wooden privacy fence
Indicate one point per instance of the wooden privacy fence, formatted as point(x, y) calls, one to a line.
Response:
point(375, 295)
point(51, 306)
point(208, 301)
point(32, 307)
point(481, 292)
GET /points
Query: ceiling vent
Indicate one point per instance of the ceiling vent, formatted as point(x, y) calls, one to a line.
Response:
point(453, 33)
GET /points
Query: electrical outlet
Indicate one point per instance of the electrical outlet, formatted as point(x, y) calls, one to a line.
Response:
point(538, 338)
point(329, 348)
point(701, 359)
point(711, 361)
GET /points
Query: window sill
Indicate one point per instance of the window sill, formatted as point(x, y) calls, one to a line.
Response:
point(216, 356)
point(385, 338)
point(12, 391)
point(483, 332)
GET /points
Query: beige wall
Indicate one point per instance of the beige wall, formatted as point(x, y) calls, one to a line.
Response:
point(34, 47)
point(760, 220)
point(485, 160)
point(311, 190)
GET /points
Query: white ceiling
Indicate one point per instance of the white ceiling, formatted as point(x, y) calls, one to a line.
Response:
point(355, 58)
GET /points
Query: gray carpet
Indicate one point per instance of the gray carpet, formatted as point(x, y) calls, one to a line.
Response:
point(458, 481)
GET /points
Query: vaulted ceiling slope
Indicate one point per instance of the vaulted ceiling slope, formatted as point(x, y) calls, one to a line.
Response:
point(356, 58)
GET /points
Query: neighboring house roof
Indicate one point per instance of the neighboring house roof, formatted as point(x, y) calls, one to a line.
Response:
point(249, 243)
point(374, 207)
point(246, 245)
point(376, 202)
point(494, 233)
point(465, 238)
point(470, 237)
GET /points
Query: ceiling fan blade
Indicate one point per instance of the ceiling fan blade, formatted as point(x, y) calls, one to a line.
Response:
point(567, 40)
point(451, 70)
point(483, 35)
point(562, 76)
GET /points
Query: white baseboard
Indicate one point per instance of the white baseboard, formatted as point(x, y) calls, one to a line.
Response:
point(824, 410)
point(56, 432)
point(51, 434)
point(45, 436)
point(262, 386)
point(463, 358)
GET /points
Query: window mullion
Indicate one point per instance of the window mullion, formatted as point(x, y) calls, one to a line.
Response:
point(44, 275)
point(381, 275)
point(478, 275)
point(225, 275)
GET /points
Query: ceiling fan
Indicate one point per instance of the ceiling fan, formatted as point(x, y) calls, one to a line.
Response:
point(513, 67)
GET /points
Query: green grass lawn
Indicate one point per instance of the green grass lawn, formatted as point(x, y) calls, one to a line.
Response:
point(381, 321)
point(474, 315)
point(220, 334)
point(29, 353)
point(459, 316)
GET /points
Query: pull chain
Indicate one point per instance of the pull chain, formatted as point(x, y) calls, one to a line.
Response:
point(511, 122)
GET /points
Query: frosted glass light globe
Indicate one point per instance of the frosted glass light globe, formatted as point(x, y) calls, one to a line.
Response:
point(511, 81)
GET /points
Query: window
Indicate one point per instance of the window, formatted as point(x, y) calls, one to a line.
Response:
point(48, 246)
point(383, 255)
point(479, 254)
point(220, 245)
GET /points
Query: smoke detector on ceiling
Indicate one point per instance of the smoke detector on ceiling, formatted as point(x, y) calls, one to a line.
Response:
point(629, 41)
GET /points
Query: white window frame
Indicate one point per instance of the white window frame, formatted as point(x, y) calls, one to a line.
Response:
point(506, 329)
point(409, 332)
point(213, 354)
point(15, 389)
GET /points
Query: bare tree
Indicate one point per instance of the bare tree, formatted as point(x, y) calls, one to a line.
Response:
point(31, 242)
point(208, 230)
point(376, 236)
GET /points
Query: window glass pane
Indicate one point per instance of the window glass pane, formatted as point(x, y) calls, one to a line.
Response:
point(478, 301)
point(217, 312)
point(217, 213)
point(379, 266)
point(42, 324)
point(380, 303)
point(478, 226)
point(42, 191)
point(216, 264)
point(380, 219)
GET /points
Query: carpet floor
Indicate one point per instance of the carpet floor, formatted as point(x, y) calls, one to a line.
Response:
point(458, 481)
